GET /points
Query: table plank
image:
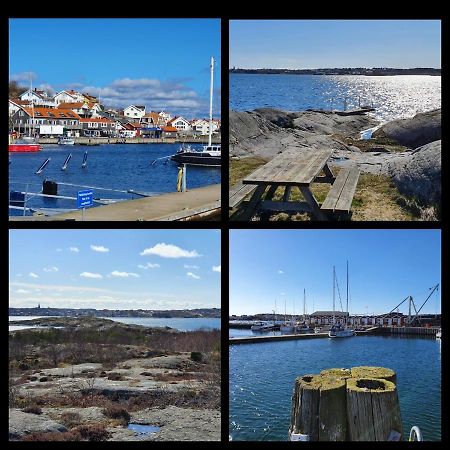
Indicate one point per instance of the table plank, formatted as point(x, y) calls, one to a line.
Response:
point(291, 168)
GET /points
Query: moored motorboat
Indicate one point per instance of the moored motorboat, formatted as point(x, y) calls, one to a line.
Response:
point(210, 155)
point(262, 326)
point(66, 140)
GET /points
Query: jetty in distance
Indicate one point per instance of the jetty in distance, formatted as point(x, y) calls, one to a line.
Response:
point(374, 71)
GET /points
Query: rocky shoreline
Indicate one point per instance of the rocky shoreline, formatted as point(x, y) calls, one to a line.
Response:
point(407, 150)
point(90, 378)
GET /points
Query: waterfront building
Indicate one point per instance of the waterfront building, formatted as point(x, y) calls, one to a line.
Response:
point(165, 116)
point(83, 109)
point(180, 123)
point(27, 117)
point(16, 104)
point(168, 131)
point(98, 127)
point(201, 126)
point(134, 112)
point(152, 119)
point(38, 98)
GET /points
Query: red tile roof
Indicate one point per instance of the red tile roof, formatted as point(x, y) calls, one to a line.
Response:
point(169, 129)
point(51, 113)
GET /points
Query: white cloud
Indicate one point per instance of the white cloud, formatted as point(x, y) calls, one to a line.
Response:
point(33, 275)
point(90, 275)
point(148, 266)
point(187, 266)
point(169, 251)
point(192, 275)
point(22, 291)
point(216, 268)
point(74, 249)
point(50, 269)
point(99, 248)
point(280, 272)
point(116, 273)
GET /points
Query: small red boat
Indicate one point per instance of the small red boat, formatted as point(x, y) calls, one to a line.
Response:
point(23, 148)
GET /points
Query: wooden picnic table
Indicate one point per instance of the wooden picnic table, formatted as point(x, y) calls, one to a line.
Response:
point(301, 169)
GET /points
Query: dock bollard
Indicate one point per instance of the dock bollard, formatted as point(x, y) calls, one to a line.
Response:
point(358, 404)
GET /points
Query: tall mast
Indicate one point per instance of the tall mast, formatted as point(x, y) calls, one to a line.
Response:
point(211, 100)
point(346, 319)
point(32, 106)
point(334, 278)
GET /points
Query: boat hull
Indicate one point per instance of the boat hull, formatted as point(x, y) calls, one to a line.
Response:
point(23, 148)
point(197, 159)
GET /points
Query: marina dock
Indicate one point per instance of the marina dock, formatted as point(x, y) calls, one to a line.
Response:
point(195, 204)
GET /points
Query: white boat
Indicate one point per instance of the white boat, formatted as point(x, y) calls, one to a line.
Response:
point(304, 328)
point(439, 334)
point(317, 330)
point(288, 328)
point(339, 330)
point(210, 155)
point(262, 326)
point(66, 140)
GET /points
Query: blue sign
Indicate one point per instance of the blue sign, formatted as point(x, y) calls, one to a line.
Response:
point(85, 198)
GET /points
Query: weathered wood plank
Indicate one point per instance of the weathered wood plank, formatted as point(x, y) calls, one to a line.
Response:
point(253, 203)
point(345, 200)
point(238, 194)
point(267, 205)
point(335, 191)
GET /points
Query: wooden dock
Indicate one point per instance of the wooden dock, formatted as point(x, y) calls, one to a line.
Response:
point(195, 204)
point(285, 337)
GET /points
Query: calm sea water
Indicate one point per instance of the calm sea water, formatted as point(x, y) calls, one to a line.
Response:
point(116, 167)
point(392, 96)
point(182, 323)
point(262, 379)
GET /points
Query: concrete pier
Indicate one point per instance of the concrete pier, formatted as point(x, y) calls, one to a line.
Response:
point(139, 140)
point(194, 204)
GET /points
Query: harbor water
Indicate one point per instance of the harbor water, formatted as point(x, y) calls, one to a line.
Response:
point(262, 379)
point(179, 323)
point(393, 97)
point(116, 168)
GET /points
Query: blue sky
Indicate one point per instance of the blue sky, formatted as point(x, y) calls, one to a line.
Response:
point(385, 266)
point(162, 63)
point(115, 269)
point(311, 44)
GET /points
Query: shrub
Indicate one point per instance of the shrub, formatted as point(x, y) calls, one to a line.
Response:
point(196, 356)
point(94, 433)
point(70, 419)
point(33, 409)
point(116, 412)
point(52, 436)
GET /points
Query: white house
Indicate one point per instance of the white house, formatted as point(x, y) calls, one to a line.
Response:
point(68, 97)
point(180, 123)
point(165, 116)
point(39, 98)
point(135, 112)
point(15, 105)
point(201, 126)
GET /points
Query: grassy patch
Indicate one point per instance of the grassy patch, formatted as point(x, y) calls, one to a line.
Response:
point(240, 168)
point(366, 145)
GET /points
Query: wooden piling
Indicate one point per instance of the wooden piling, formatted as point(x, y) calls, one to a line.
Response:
point(318, 408)
point(338, 405)
point(374, 372)
point(373, 409)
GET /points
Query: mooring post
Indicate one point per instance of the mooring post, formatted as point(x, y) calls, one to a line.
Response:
point(358, 404)
point(184, 178)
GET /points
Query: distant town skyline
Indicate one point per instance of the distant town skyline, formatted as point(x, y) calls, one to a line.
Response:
point(163, 64)
point(314, 44)
point(114, 269)
point(271, 268)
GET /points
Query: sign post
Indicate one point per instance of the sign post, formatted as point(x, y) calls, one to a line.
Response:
point(85, 198)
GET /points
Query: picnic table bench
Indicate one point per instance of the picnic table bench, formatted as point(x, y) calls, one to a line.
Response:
point(293, 169)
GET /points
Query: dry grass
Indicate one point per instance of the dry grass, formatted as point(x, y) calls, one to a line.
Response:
point(239, 168)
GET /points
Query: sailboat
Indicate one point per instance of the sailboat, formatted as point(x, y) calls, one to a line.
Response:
point(27, 144)
point(339, 330)
point(303, 327)
point(287, 327)
point(210, 155)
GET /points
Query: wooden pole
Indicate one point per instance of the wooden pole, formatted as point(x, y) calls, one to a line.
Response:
point(373, 409)
point(358, 404)
point(318, 409)
point(374, 372)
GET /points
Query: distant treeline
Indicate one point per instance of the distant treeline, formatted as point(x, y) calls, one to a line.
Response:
point(69, 312)
point(375, 71)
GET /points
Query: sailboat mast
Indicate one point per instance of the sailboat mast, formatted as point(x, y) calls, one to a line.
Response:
point(211, 101)
point(346, 319)
point(334, 278)
point(32, 106)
